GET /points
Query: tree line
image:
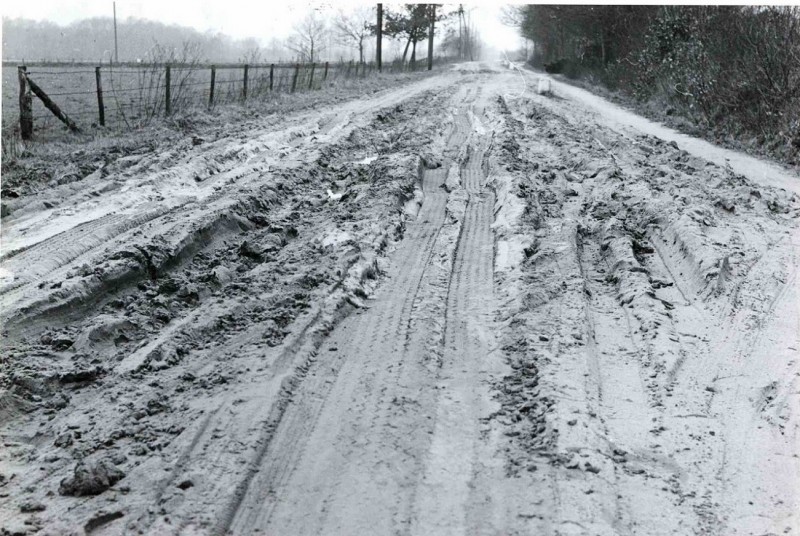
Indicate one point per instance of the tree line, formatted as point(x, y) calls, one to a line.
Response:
point(406, 24)
point(330, 34)
point(93, 40)
point(735, 69)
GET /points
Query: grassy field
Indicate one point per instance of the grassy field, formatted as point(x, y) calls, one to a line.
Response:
point(133, 96)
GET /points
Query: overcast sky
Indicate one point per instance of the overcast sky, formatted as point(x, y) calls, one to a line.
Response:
point(237, 18)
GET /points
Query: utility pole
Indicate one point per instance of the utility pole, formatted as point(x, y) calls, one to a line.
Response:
point(432, 15)
point(460, 41)
point(379, 33)
point(116, 49)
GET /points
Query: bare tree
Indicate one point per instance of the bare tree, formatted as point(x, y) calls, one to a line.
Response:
point(353, 28)
point(308, 41)
point(410, 23)
point(512, 16)
point(252, 55)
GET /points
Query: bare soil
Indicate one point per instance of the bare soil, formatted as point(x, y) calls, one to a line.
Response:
point(452, 306)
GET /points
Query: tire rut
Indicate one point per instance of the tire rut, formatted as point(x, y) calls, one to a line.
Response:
point(384, 368)
point(377, 332)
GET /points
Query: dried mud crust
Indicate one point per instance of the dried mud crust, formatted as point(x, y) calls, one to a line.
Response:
point(140, 334)
point(622, 264)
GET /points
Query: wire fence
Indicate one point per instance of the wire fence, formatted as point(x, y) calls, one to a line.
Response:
point(130, 96)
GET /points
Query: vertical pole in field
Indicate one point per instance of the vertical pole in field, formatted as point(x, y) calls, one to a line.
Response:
point(271, 74)
point(211, 89)
point(379, 33)
point(100, 108)
point(430, 36)
point(244, 85)
point(294, 79)
point(168, 97)
point(116, 49)
point(311, 78)
point(325, 76)
point(25, 104)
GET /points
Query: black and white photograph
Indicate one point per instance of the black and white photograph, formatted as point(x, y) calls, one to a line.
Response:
point(344, 268)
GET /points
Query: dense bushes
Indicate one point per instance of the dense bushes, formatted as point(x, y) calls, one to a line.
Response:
point(732, 69)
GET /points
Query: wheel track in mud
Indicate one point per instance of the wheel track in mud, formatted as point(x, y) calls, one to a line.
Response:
point(82, 240)
point(740, 444)
point(628, 496)
point(452, 498)
point(404, 345)
point(367, 335)
point(623, 401)
point(208, 451)
point(38, 260)
point(198, 436)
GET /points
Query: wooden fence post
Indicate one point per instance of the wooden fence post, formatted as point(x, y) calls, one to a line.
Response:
point(294, 80)
point(25, 104)
point(168, 99)
point(244, 86)
point(325, 76)
point(311, 78)
point(100, 108)
point(211, 90)
point(271, 74)
point(52, 106)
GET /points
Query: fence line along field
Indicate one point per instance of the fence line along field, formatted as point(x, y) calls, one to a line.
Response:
point(133, 95)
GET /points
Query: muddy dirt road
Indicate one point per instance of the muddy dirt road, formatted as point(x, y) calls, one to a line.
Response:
point(450, 307)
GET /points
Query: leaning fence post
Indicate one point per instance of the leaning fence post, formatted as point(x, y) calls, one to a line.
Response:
point(271, 73)
point(52, 106)
point(167, 101)
point(294, 80)
point(211, 90)
point(25, 104)
point(311, 78)
point(100, 108)
point(325, 76)
point(244, 85)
